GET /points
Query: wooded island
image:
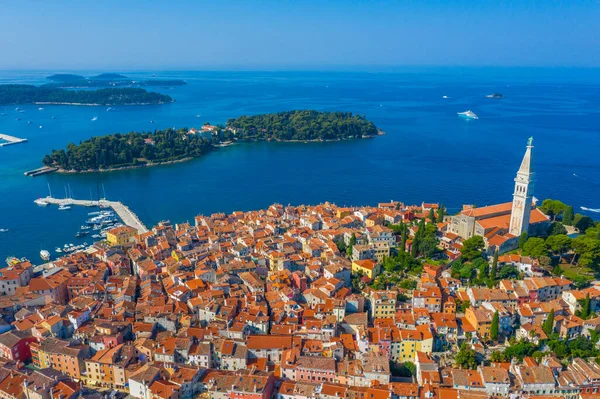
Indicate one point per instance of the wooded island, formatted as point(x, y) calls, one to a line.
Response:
point(135, 149)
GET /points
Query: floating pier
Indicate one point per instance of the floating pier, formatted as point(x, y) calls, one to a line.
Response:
point(126, 214)
point(9, 140)
point(40, 171)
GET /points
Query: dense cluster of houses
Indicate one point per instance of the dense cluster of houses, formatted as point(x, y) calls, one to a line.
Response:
point(261, 305)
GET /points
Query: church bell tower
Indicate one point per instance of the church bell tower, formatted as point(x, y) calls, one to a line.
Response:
point(523, 194)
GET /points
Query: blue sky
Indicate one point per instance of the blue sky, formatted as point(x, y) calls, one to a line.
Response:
point(223, 34)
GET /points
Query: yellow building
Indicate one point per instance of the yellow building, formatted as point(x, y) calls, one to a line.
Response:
point(383, 304)
point(410, 342)
point(481, 320)
point(367, 267)
point(120, 235)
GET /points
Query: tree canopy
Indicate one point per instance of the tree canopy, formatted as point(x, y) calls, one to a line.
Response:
point(302, 125)
point(28, 94)
point(119, 150)
point(472, 247)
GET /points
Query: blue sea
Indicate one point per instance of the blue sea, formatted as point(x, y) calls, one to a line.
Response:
point(427, 154)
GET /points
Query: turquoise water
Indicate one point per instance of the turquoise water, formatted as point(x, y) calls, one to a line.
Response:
point(428, 154)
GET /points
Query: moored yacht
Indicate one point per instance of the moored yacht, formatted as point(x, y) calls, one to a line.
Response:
point(45, 255)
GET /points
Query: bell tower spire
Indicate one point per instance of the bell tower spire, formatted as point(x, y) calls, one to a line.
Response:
point(523, 194)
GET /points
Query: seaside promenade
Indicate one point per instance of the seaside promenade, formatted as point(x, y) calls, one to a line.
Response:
point(126, 214)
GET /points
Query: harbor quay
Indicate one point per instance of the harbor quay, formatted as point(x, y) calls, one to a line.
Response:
point(9, 140)
point(126, 214)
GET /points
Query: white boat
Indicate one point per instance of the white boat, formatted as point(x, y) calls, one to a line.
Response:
point(41, 126)
point(40, 202)
point(468, 114)
point(57, 249)
point(95, 118)
point(3, 230)
point(64, 207)
point(110, 109)
point(40, 109)
point(445, 97)
point(45, 255)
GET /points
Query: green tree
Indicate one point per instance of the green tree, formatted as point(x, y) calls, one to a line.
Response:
point(548, 324)
point(472, 247)
point(552, 207)
point(441, 213)
point(431, 215)
point(582, 223)
point(556, 228)
point(494, 269)
point(465, 358)
point(522, 239)
point(341, 245)
point(408, 284)
point(404, 237)
point(495, 327)
point(587, 250)
point(586, 309)
point(568, 216)
point(558, 244)
point(534, 247)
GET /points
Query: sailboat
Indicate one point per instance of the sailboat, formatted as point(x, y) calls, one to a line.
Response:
point(42, 201)
point(64, 206)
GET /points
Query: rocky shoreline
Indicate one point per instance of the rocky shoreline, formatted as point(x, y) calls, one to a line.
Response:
point(146, 165)
point(151, 164)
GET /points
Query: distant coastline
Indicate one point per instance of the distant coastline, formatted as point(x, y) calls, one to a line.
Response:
point(98, 105)
point(17, 94)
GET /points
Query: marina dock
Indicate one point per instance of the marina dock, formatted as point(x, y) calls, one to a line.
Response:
point(126, 214)
point(40, 171)
point(9, 140)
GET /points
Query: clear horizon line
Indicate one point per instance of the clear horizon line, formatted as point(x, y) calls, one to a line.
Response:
point(299, 68)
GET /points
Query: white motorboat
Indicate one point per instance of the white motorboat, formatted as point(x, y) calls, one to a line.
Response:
point(40, 202)
point(468, 114)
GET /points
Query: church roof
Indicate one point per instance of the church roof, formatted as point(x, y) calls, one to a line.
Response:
point(488, 210)
point(503, 221)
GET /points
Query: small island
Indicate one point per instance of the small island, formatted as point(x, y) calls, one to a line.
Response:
point(303, 125)
point(28, 94)
point(131, 150)
point(66, 80)
point(135, 150)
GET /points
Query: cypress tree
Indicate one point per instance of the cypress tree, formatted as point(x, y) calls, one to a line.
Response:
point(404, 236)
point(431, 215)
point(523, 239)
point(585, 308)
point(494, 268)
point(568, 215)
point(548, 324)
point(495, 327)
point(441, 213)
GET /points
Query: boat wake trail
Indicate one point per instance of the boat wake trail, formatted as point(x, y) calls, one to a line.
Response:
point(595, 210)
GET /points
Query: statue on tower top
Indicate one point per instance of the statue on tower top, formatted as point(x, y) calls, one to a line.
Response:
point(530, 142)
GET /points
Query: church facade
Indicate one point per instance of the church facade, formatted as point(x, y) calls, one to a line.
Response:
point(501, 225)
